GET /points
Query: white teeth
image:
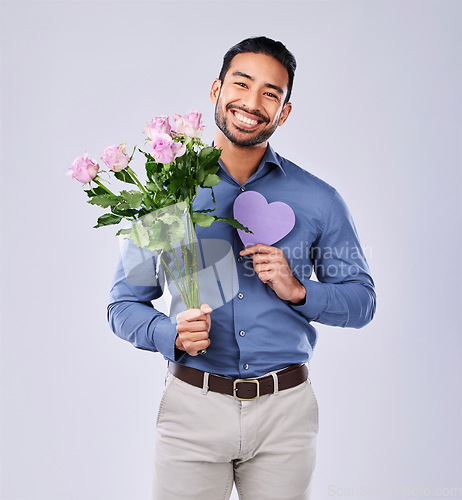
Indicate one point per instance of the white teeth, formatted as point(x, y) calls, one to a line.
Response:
point(245, 119)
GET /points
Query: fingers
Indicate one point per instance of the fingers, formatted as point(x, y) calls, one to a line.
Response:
point(271, 266)
point(272, 270)
point(193, 347)
point(260, 248)
point(193, 328)
point(205, 308)
point(269, 262)
point(191, 315)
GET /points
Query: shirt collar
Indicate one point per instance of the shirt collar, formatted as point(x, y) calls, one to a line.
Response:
point(269, 158)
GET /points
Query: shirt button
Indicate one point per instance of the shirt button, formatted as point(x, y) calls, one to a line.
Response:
point(240, 258)
point(246, 366)
point(242, 188)
point(240, 295)
point(242, 333)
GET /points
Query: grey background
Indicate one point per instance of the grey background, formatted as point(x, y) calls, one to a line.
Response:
point(377, 113)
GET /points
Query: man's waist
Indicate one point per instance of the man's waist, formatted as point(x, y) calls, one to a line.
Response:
point(242, 389)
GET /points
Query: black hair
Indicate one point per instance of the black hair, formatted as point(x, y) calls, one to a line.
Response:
point(262, 45)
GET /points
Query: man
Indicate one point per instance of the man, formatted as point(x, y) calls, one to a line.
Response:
point(213, 427)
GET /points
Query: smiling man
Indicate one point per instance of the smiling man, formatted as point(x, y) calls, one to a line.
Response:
point(245, 410)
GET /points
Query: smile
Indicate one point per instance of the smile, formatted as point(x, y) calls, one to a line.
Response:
point(246, 120)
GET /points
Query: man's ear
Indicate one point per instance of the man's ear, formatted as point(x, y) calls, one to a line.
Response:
point(285, 113)
point(215, 90)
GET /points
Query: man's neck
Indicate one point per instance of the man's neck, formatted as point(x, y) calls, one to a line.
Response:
point(241, 163)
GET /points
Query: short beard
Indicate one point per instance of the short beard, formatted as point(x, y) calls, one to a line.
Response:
point(261, 137)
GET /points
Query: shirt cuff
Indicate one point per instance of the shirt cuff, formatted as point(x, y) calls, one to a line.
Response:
point(316, 300)
point(164, 338)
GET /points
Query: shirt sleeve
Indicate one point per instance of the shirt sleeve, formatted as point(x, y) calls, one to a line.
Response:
point(130, 312)
point(344, 294)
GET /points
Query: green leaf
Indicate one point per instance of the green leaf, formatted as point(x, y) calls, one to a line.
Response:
point(107, 220)
point(124, 176)
point(184, 193)
point(105, 200)
point(177, 230)
point(124, 212)
point(139, 234)
point(123, 231)
point(151, 186)
point(148, 156)
point(95, 191)
point(200, 176)
point(210, 181)
point(173, 186)
point(234, 223)
point(206, 210)
point(208, 157)
point(190, 183)
point(151, 168)
point(148, 220)
point(169, 219)
point(202, 220)
point(213, 169)
point(123, 206)
point(204, 152)
point(156, 186)
point(158, 238)
point(133, 198)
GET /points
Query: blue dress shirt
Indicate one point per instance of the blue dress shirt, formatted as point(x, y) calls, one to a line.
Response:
point(257, 332)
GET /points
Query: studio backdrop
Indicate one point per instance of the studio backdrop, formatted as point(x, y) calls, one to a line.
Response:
point(376, 114)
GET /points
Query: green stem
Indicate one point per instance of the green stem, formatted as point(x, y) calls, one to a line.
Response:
point(178, 267)
point(135, 178)
point(186, 258)
point(130, 159)
point(194, 271)
point(180, 290)
point(100, 184)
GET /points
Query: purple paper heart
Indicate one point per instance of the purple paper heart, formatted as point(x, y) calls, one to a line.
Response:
point(269, 222)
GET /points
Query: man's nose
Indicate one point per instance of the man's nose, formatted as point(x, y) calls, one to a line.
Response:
point(252, 101)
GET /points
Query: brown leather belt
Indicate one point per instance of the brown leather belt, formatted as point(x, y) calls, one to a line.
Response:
point(242, 389)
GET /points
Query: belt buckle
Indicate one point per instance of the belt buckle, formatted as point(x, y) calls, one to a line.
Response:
point(251, 381)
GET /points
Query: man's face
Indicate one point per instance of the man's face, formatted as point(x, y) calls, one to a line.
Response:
point(249, 102)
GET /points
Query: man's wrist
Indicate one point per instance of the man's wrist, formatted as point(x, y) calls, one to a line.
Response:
point(299, 295)
point(178, 343)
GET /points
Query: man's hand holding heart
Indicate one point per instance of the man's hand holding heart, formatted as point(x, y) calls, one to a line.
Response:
point(271, 266)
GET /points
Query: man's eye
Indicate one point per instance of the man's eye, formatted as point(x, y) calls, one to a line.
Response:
point(241, 84)
point(269, 94)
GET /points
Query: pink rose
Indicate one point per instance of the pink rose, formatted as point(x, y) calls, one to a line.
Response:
point(83, 169)
point(190, 124)
point(158, 125)
point(165, 149)
point(115, 157)
point(178, 124)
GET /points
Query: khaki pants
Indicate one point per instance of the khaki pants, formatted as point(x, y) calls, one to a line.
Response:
point(206, 440)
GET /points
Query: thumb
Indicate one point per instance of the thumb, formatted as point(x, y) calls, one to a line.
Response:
point(206, 309)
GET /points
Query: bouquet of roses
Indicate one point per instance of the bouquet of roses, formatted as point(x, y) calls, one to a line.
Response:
point(160, 209)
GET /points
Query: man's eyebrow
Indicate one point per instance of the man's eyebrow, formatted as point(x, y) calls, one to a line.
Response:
point(251, 78)
point(243, 75)
point(275, 87)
